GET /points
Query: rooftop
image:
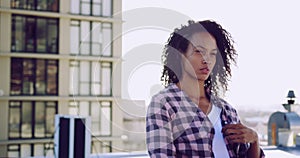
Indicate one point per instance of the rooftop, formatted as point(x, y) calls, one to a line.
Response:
point(270, 152)
point(279, 152)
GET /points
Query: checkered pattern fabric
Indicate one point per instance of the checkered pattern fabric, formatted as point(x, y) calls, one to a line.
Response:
point(176, 127)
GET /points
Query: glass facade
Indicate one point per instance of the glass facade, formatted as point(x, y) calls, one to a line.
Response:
point(34, 34)
point(31, 119)
point(34, 76)
point(100, 113)
point(90, 78)
point(32, 92)
point(91, 38)
point(92, 7)
point(28, 150)
point(40, 5)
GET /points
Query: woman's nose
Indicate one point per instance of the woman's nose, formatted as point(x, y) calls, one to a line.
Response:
point(205, 58)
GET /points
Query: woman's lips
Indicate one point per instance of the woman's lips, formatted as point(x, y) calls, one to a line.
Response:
point(204, 71)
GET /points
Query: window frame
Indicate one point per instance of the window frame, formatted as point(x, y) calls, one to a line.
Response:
point(14, 4)
point(105, 146)
point(15, 73)
point(78, 24)
point(25, 21)
point(75, 65)
point(46, 147)
point(92, 4)
point(102, 104)
point(47, 105)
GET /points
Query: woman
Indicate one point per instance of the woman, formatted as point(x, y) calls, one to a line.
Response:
point(188, 118)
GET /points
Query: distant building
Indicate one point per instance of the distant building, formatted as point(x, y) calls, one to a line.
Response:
point(134, 112)
point(283, 128)
point(59, 57)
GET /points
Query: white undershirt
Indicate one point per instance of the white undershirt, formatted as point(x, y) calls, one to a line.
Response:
point(218, 145)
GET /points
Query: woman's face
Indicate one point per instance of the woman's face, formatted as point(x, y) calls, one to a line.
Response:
point(200, 57)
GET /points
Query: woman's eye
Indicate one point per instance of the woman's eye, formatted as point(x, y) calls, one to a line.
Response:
point(213, 53)
point(198, 51)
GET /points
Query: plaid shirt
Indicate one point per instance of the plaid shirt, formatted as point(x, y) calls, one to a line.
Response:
point(176, 127)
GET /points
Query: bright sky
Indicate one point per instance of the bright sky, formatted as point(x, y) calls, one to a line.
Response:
point(267, 41)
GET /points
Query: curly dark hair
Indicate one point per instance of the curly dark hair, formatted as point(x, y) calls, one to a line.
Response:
point(177, 45)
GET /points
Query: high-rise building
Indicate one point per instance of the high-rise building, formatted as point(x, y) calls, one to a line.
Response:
point(59, 57)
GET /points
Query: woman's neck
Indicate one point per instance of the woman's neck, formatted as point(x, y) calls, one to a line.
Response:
point(196, 92)
point(194, 88)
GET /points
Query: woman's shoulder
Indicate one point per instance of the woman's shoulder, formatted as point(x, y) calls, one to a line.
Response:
point(167, 98)
point(168, 92)
point(161, 102)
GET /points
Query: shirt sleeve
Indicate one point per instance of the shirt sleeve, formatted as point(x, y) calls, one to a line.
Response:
point(159, 130)
point(232, 115)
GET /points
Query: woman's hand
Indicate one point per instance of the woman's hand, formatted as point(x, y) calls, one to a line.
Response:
point(238, 133)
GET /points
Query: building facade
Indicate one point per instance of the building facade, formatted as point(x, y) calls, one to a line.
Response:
point(59, 57)
point(134, 124)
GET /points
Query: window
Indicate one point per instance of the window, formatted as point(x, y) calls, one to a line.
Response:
point(100, 113)
point(101, 147)
point(92, 7)
point(34, 34)
point(28, 150)
point(41, 5)
point(90, 78)
point(91, 38)
point(31, 119)
point(33, 77)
